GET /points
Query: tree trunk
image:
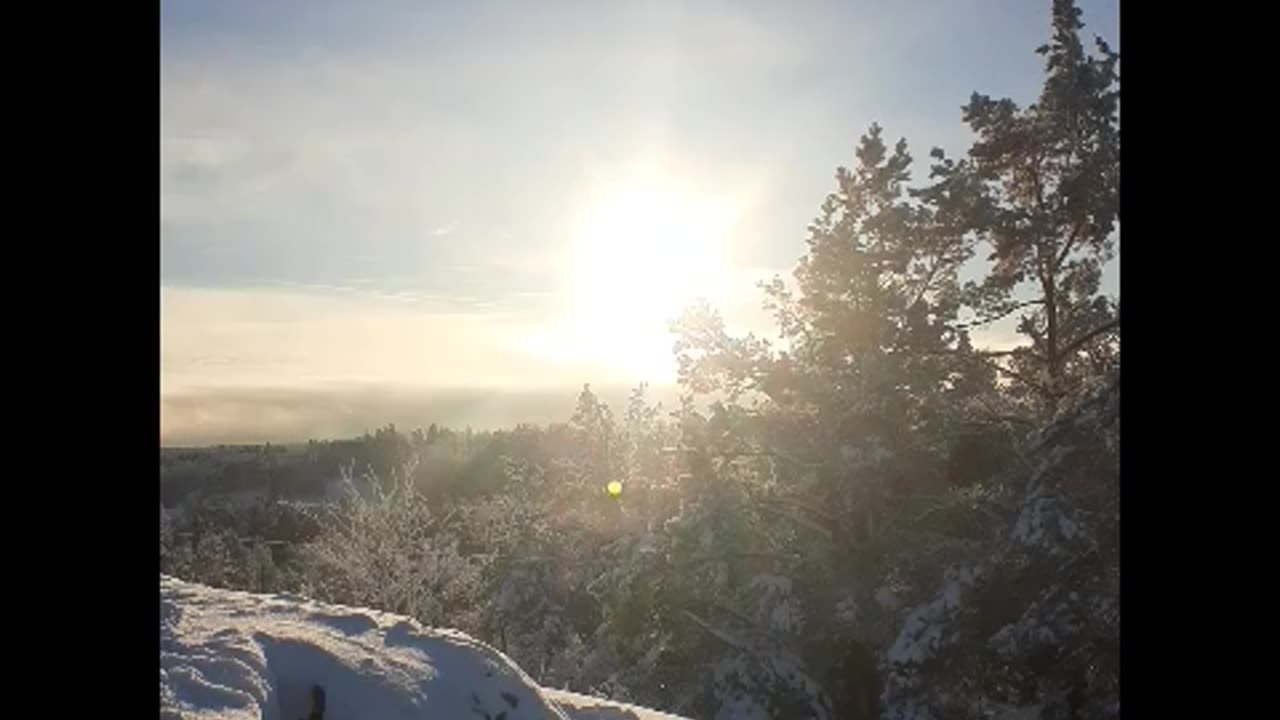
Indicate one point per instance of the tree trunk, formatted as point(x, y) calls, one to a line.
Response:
point(1053, 359)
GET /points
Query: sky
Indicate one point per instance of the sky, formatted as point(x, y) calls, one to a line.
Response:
point(444, 200)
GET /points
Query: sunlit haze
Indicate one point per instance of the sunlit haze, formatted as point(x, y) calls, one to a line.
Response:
point(461, 212)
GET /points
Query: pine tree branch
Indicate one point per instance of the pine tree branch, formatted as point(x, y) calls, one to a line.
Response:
point(739, 555)
point(800, 520)
point(979, 354)
point(908, 534)
point(1066, 249)
point(731, 612)
point(771, 454)
point(724, 637)
point(986, 359)
point(1009, 433)
point(1038, 387)
point(1018, 419)
point(999, 315)
point(924, 287)
point(1039, 183)
point(1078, 342)
point(816, 512)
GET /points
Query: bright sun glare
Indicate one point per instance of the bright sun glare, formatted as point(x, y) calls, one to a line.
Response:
point(638, 255)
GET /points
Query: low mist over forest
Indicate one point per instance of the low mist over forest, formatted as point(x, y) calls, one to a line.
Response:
point(220, 416)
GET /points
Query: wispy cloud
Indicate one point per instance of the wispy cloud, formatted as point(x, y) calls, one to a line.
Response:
point(294, 159)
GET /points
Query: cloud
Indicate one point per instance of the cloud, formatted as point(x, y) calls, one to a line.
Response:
point(340, 146)
point(311, 336)
point(290, 127)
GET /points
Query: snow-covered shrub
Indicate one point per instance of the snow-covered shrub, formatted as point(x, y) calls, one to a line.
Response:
point(386, 549)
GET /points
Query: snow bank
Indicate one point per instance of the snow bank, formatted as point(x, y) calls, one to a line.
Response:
point(585, 707)
point(231, 655)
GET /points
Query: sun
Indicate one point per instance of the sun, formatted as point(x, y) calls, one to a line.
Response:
point(638, 255)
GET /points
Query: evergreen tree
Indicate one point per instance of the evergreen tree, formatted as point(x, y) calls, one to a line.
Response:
point(601, 452)
point(1041, 187)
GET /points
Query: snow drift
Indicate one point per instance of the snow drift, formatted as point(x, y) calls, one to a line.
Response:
point(232, 655)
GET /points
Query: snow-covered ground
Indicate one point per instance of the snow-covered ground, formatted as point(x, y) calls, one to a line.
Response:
point(231, 655)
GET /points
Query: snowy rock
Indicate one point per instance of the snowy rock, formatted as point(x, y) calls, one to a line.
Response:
point(232, 655)
point(585, 707)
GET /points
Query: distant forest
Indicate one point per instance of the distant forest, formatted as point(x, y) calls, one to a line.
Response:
point(864, 517)
point(441, 461)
